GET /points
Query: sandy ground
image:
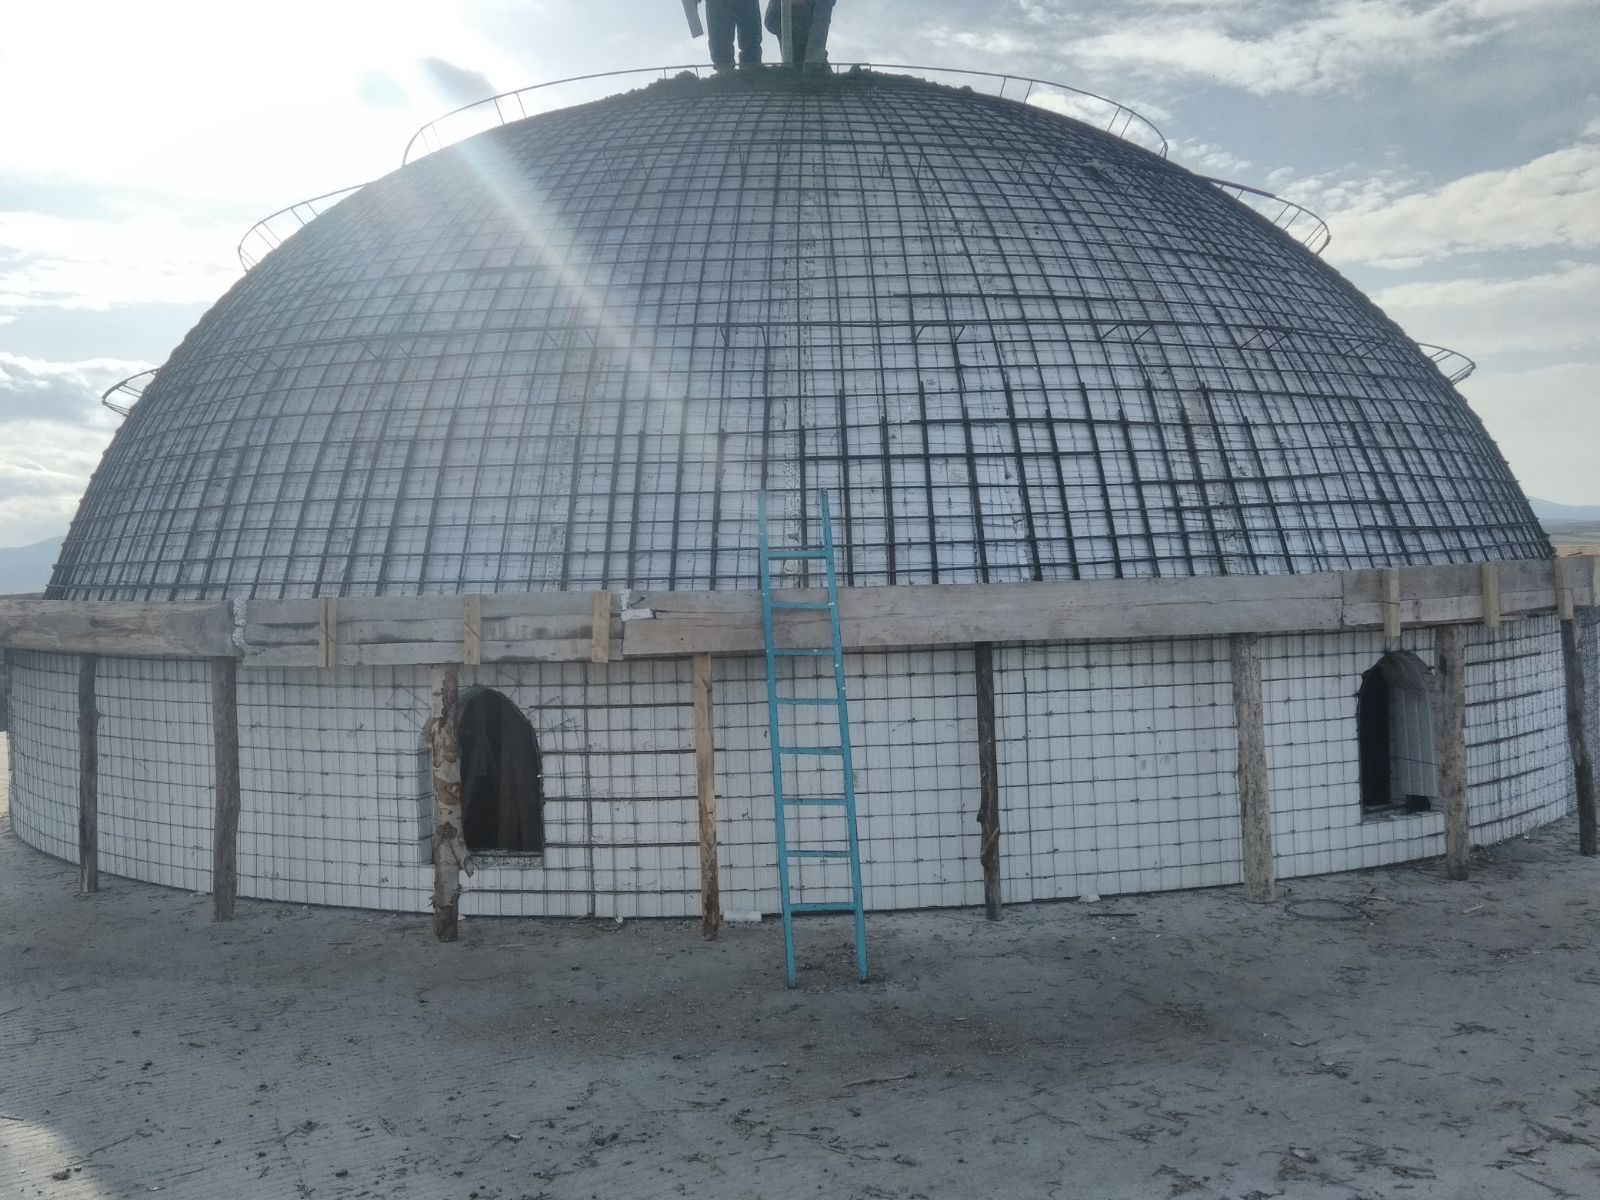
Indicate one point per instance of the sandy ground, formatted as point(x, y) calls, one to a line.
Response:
point(1387, 1034)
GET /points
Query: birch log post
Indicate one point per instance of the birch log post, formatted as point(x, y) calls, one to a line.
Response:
point(1578, 733)
point(1255, 799)
point(225, 760)
point(450, 855)
point(988, 781)
point(1450, 673)
point(705, 772)
point(88, 777)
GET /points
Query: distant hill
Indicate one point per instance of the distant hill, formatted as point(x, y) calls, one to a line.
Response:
point(1548, 510)
point(27, 568)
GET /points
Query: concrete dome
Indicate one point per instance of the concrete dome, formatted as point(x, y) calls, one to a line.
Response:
point(569, 352)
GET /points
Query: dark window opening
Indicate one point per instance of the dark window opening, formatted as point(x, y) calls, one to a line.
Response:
point(502, 792)
point(1394, 727)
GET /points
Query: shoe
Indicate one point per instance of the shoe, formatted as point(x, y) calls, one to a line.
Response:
point(722, 68)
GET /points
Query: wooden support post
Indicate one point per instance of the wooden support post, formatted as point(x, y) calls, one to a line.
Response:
point(472, 631)
point(450, 855)
point(1578, 736)
point(705, 773)
point(1450, 676)
point(600, 631)
point(225, 757)
point(88, 777)
point(1255, 797)
point(988, 781)
point(1491, 595)
point(328, 633)
point(1391, 608)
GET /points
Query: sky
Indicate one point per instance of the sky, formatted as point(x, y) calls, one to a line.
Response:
point(1453, 146)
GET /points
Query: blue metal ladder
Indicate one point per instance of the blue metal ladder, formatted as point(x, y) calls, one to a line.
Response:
point(843, 805)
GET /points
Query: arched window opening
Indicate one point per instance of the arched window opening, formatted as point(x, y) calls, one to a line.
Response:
point(1394, 722)
point(502, 793)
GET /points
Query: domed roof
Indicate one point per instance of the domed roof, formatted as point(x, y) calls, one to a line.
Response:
point(569, 352)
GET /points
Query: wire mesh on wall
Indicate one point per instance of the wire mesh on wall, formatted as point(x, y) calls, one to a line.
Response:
point(567, 353)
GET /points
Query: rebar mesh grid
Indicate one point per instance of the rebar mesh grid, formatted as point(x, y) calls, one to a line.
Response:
point(1309, 687)
point(157, 779)
point(1519, 765)
point(1117, 765)
point(43, 740)
point(569, 352)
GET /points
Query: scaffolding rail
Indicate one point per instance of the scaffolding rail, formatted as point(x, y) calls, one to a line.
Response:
point(267, 234)
point(1089, 107)
point(121, 396)
point(1299, 222)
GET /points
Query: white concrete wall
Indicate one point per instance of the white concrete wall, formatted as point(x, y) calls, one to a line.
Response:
point(1116, 771)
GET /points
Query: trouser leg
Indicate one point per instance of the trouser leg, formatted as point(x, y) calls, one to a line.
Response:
point(816, 42)
point(796, 54)
point(748, 19)
point(720, 16)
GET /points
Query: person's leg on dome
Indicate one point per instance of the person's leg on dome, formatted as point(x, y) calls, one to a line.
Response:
point(721, 19)
point(747, 18)
point(816, 40)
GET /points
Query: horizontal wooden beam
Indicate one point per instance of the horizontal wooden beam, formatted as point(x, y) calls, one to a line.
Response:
point(561, 626)
point(118, 628)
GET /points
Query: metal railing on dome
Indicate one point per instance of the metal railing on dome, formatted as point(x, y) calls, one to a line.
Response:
point(1093, 109)
point(121, 396)
point(1299, 222)
point(267, 234)
point(1453, 365)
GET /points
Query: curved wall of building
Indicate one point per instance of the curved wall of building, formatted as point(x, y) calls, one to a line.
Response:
point(1116, 769)
point(568, 353)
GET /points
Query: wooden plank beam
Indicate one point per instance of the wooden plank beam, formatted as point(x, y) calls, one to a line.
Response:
point(1255, 798)
point(88, 777)
point(988, 781)
point(117, 628)
point(705, 772)
point(225, 757)
point(450, 857)
point(1450, 675)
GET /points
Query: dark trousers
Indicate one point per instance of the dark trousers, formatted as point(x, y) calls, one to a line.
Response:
point(724, 19)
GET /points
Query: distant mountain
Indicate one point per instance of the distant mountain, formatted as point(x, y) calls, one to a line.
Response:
point(1548, 510)
point(27, 568)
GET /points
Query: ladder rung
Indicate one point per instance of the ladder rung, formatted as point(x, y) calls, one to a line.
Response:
point(818, 801)
point(813, 700)
point(802, 605)
point(818, 853)
point(804, 652)
point(797, 554)
point(823, 906)
point(818, 750)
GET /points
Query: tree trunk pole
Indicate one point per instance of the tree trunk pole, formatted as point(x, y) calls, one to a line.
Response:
point(1578, 735)
point(225, 757)
point(705, 773)
point(450, 855)
point(88, 777)
point(1450, 671)
point(988, 781)
point(1255, 798)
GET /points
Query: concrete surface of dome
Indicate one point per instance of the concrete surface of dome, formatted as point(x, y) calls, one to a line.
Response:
point(568, 353)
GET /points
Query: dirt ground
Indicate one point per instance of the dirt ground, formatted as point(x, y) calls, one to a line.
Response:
point(1386, 1034)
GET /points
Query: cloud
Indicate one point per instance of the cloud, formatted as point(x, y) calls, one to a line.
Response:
point(1552, 312)
point(1552, 202)
point(95, 263)
point(1307, 46)
point(52, 434)
point(456, 84)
